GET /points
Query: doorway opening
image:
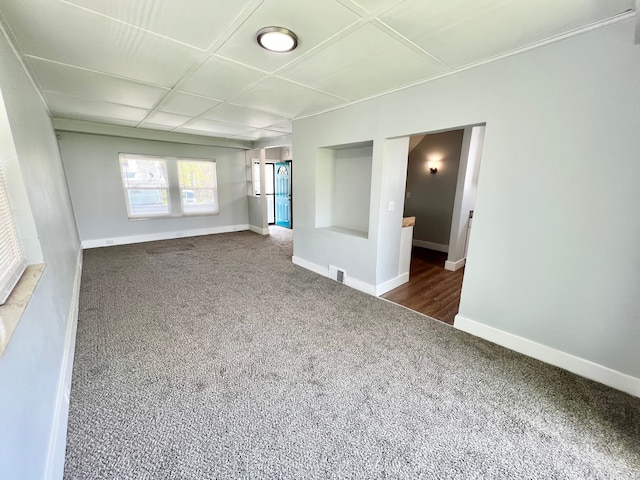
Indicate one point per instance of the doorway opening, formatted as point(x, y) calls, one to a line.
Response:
point(442, 178)
point(271, 181)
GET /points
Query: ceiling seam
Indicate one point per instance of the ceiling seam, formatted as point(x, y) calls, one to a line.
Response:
point(382, 26)
point(593, 26)
point(131, 25)
point(235, 25)
point(98, 72)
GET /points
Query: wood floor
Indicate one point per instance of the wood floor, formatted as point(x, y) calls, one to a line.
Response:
point(431, 289)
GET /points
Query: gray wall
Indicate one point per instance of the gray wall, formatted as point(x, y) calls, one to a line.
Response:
point(352, 188)
point(31, 366)
point(93, 172)
point(432, 196)
point(553, 254)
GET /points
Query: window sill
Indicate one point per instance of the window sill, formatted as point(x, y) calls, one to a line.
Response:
point(15, 305)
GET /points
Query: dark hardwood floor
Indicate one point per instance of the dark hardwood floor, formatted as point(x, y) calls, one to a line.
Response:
point(431, 289)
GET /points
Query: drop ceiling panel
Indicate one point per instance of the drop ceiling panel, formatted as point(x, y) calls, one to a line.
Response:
point(287, 99)
point(64, 106)
point(210, 126)
point(265, 133)
point(60, 78)
point(245, 116)
point(374, 5)
point(284, 127)
point(221, 79)
point(363, 63)
point(312, 21)
point(166, 119)
point(195, 22)
point(64, 33)
point(185, 104)
point(462, 32)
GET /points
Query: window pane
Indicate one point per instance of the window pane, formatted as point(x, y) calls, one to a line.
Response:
point(146, 186)
point(256, 178)
point(268, 179)
point(143, 172)
point(198, 186)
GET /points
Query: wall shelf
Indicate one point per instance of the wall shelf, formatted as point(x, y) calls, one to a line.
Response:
point(343, 188)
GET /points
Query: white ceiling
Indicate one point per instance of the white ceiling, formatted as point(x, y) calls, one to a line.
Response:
point(193, 66)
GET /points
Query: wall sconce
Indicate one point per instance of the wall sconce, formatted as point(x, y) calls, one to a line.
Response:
point(433, 161)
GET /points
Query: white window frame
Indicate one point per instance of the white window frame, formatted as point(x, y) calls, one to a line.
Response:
point(125, 159)
point(17, 225)
point(215, 209)
point(176, 207)
point(12, 260)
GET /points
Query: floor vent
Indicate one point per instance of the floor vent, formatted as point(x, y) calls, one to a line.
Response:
point(337, 274)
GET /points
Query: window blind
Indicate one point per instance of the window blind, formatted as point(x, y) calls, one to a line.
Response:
point(12, 262)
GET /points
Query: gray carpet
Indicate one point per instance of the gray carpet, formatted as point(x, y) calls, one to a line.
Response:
point(216, 357)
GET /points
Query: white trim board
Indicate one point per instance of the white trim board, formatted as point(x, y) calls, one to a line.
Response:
point(579, 366)
point(438, 247)
point(58, 438)
point(151, 237)
point(261, 231)
point(453, 266)
point(391, 284)
point(324, 271)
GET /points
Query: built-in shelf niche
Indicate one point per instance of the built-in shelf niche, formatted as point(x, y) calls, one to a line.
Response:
point(343, 188)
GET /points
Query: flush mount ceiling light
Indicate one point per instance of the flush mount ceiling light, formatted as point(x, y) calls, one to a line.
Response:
point(277, 39)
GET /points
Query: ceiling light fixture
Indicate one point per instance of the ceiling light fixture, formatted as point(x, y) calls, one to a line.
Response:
point(277, 39)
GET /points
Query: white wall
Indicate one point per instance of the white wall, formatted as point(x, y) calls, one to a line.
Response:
point(34, 367)
point(553, 255)
point(93, 173)
point(465, 199)
point(352, 188)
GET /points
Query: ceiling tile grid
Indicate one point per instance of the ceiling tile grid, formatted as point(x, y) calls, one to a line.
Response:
point(195, 66)
point(65, 79)
point(186, 104)
point(63, 33)
point(362, 64)
point(221, 79)
point(66, 106)
point(197, 23)
point(313, 21)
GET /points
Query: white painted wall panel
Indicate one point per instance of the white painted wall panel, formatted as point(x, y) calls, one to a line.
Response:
point(31, 366)
point(554, 252)
point(93, 173)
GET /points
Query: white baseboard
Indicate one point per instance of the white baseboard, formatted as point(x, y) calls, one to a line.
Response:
point(58, 437)
point(391, 284)
point(324, 271)
point(151, 237)
point(453, 266)
point(261, 231)
point(439, 247)
point(360, 285)
point(310, 266)
point(577, 365)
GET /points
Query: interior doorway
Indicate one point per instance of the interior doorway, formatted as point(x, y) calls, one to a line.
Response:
point(442, 173)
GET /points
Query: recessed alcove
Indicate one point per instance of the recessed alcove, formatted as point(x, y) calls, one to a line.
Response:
point(343, 188)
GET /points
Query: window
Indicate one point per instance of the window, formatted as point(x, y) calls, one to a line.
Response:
point(198, 186)
point(145, 185)
point(12, 262)
point(255, 175)
point(168, 186)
